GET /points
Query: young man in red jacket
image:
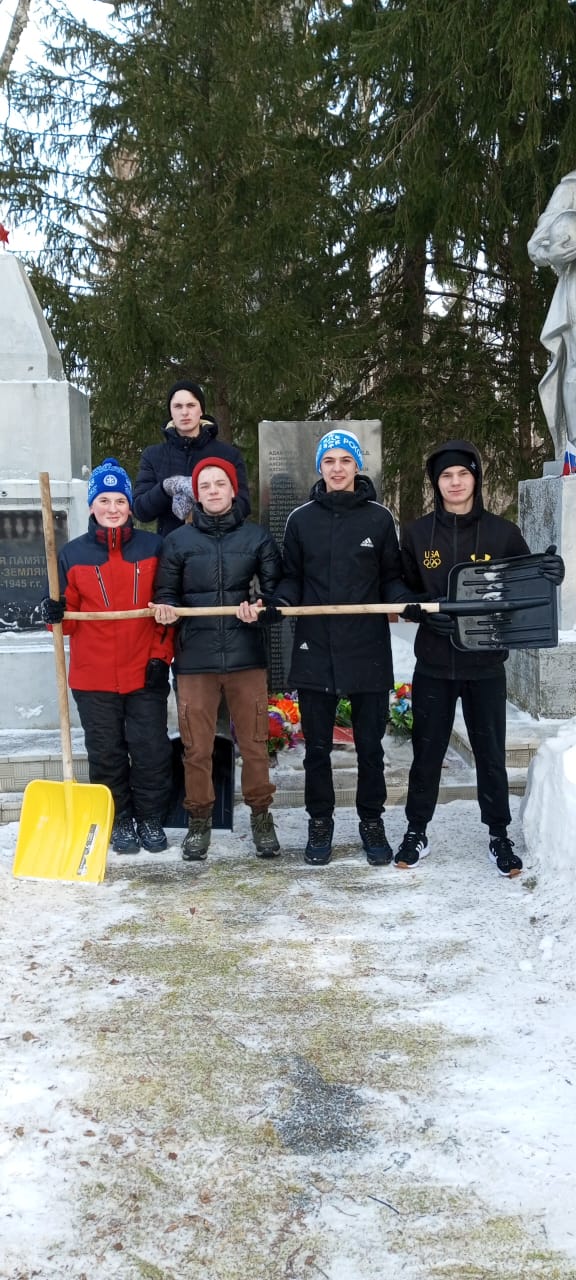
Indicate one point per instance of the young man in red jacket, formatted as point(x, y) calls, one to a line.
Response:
point(119, 670)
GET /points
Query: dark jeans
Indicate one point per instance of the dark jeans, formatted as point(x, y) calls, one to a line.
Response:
point(128, 747)
point(484, 707)
point(369, 717)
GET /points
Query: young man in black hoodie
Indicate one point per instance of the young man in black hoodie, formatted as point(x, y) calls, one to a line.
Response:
point(458, 529)
point(163, 486)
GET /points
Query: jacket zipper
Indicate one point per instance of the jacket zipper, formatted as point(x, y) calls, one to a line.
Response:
point(221, 597)
point(102, 588)
point(454, 561)
point(136, 573)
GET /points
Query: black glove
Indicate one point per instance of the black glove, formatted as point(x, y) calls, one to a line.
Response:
point(413, 613)
point(552, 566)
point(157, 675)
point(442, 624)
point(52, 610)
point(269, 615)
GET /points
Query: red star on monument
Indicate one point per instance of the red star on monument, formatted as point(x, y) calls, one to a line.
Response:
point(3, 234)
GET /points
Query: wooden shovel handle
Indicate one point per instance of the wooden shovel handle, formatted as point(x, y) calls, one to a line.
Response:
point(229, 610)
point(57, 632)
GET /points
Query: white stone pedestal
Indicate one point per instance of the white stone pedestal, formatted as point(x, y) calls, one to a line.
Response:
point(543, 681)
point(44, 426)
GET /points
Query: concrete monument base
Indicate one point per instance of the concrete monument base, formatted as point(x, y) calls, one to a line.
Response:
point(543, 681)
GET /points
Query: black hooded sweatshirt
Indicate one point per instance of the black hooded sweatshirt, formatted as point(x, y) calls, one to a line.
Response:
point(431, 546)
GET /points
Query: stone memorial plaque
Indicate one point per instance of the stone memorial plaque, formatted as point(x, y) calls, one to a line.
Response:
point(287, 452)
point(23, 577)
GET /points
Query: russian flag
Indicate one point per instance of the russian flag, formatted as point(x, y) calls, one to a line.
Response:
point(569, 467)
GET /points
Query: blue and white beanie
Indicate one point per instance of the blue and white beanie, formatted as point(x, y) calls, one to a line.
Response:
point(345, 440)
point(109, 477)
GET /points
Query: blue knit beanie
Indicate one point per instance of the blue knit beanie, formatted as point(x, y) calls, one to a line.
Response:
point(345, 440)
point(109, 477)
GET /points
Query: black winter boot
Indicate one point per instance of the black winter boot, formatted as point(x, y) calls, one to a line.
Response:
point(124, 838)
point(318, 850)
point(373, 837)
point(151, 834)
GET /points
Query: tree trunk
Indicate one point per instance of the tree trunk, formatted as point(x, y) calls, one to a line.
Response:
point(17, 26)
point(411, 363)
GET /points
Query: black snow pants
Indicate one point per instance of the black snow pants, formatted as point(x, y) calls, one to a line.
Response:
point(128, 748)
point(484, 708)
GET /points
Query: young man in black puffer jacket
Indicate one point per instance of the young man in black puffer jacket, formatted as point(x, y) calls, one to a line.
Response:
point(458, 529)
point(209, 562)
point(163, 486)
point(341, 548)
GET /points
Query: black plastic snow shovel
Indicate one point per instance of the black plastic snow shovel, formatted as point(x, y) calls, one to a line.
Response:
point(497, 604)
point(517, 606)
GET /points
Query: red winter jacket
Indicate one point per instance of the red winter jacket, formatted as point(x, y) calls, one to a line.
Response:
point(112, 569)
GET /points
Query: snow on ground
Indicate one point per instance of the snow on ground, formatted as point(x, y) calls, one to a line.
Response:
point(274, 1072)
point(251, 1069)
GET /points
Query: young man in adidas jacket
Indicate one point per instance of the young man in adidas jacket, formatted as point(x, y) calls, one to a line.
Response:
point(458, 529)
point(341, 548)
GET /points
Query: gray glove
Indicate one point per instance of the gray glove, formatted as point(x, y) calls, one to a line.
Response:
point(179, 488)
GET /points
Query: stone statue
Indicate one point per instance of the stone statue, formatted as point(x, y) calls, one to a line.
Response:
point(553, 244)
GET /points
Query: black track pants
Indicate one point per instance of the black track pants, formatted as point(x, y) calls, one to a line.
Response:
point(484, 708)
point(369, 716)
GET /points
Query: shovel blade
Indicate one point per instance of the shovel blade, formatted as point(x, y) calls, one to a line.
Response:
point(64, 832)
point(529, 619)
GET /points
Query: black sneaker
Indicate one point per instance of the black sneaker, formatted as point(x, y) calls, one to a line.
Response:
point(264, 834)
point(318, 851)
point(151, 834)
point(414, 847)
point(507, 863)
point(373, 837)
point(197, 840)
point(124, 838)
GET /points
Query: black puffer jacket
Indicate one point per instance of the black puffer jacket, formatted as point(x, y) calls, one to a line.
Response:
point(178, 456)
point(431, 546)
point(212, 562)
point(341, 548)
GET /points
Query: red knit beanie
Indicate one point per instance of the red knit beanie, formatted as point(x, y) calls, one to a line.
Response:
point(224, 465)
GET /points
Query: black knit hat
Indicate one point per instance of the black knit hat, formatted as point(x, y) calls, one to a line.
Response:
point(453, 458)
point(193, 387)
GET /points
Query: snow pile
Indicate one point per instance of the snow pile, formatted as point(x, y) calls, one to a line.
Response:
point(549, 807)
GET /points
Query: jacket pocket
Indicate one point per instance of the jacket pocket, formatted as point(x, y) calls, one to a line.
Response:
point(184, 723)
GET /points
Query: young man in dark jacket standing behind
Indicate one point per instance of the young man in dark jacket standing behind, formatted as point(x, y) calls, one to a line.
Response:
point(458, 529)
point(163, 487)
point(341, 548)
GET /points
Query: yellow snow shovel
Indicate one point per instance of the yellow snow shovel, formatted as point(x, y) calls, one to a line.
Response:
point(64, 826)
